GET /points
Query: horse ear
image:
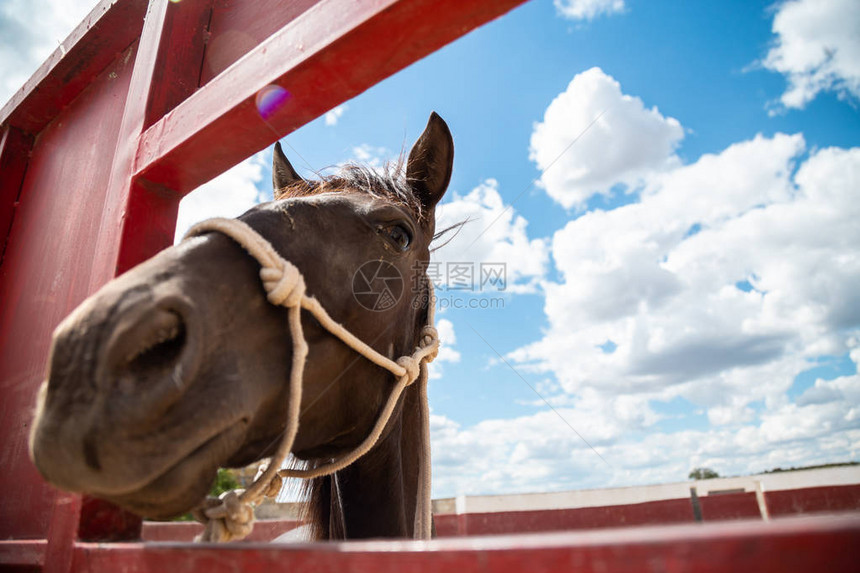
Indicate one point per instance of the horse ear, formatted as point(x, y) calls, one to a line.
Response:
point(431, 162)
point(283, 174)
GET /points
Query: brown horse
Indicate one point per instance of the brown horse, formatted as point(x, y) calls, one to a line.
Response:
point(180, 366)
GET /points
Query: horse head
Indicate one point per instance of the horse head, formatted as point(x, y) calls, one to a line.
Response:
point(180, 366)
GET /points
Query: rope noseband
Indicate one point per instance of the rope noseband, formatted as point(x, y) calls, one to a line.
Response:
point(231, 517)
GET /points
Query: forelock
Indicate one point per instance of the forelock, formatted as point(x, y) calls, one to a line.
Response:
point(388, 183)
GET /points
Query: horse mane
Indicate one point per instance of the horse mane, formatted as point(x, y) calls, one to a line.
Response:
point(388, 182)
point(320, 514)
point(322, 508)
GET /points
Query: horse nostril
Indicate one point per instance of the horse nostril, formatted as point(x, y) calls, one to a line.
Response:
point(149, 349)
point(160, 344)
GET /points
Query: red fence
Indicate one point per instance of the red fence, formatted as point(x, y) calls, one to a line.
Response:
point(723, 507)
point(786, 546)
point(139, 106)
point(714, 508)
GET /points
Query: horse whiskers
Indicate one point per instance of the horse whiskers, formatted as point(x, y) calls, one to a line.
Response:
point(457, 227)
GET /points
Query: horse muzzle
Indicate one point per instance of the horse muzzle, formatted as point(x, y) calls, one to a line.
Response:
point(119, 363)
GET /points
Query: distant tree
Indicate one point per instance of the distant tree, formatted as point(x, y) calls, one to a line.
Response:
point(815, 467)
point(224, 481)
point(703, 473)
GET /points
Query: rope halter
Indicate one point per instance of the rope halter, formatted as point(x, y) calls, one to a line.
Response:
point(231, 517)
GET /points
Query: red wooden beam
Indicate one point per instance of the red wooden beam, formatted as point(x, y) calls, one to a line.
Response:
point(121, 184)
point(265, 530)
point(22, 553)
point(238, 26)
point(45, 274)
point(108, 30)
point(813, 499)
point(62, 532)
point(139, 216)
point(791, 545)
point(15, 146)
point(181, 48)
point(541, 520)
point(330, 53)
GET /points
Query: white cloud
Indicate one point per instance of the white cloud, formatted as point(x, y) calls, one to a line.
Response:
point(658, 278)
point(228, 195)
point(587, 9)
point(539, 452)
point(594, 137)
point(447, 351)
point(494, 233)
point(723, 281)
point(30, 30)
point(448, 338)
point(332, 117)
point(845, 390)
point(817, 48)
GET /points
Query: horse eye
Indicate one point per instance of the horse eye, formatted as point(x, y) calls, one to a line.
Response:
point(398, 235)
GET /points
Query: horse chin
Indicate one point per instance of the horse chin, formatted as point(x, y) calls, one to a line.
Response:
point(160, 500)
point(185, 484)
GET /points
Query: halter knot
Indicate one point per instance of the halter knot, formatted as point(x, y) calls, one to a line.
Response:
point(429, 339)
point(412, 367)
point(227, 518)
point(284, 285)
point(274, 487)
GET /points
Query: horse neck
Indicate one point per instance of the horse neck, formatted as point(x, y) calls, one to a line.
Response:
point(376, 495)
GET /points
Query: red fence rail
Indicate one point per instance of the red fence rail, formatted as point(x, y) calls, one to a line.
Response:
point(783, 547)
point(730, 506)
point(714, 508)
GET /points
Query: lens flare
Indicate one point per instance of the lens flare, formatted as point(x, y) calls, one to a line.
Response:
point(270, 99)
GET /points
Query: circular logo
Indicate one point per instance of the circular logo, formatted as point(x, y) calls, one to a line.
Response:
point(377, 285)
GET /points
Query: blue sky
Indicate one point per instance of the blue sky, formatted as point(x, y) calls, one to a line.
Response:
point(682, 281)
